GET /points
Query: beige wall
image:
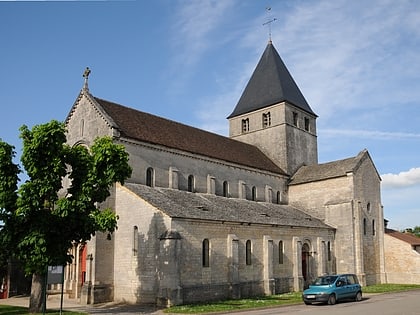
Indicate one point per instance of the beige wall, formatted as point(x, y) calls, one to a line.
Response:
point(402, 262)
point(289, 146)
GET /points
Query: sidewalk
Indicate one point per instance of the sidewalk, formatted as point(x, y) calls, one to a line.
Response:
point(53, 302)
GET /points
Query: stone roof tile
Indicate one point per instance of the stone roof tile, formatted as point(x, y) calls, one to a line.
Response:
point(405, 237)
point(152, 129)
point(188, 205)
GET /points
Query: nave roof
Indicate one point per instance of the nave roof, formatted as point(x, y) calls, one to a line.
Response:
point(188, 205)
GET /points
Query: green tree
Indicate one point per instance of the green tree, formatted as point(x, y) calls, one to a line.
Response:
point(415, 231)
point(42, 218)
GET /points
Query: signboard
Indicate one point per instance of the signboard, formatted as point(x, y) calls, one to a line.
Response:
point(55, 274)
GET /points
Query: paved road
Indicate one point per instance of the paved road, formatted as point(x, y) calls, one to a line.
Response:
point(404, 303)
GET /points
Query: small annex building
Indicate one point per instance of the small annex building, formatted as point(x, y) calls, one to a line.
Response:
point(402, 254)
point(208, 217)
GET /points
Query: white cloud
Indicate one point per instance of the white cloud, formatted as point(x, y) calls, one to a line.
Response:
point(371, 134)
point(194, 20)
point(402, 179)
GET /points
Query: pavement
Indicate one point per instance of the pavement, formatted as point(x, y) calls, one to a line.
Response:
point(54, 302)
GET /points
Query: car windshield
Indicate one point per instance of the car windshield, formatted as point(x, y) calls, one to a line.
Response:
point(326, 280)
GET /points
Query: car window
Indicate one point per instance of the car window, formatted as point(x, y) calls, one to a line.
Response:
point(324, 280)
point(350, 279)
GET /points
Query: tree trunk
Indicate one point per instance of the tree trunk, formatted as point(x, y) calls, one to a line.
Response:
point(36, 301)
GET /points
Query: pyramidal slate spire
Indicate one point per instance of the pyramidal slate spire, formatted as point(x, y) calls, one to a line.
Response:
point(271, 83)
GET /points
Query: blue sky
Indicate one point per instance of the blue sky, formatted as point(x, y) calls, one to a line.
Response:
point(356, 62)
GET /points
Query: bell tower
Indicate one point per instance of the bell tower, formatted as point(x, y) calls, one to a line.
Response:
point(273, 115)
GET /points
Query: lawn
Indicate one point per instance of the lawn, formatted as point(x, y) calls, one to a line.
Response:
point(18, 310)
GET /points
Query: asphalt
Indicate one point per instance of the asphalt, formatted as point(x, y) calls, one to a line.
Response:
point(54, 302)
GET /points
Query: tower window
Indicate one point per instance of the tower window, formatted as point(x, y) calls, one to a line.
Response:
point(306, 123)
point(245, 125)
point(373, 227)
point(295, 118)
point(266, 117)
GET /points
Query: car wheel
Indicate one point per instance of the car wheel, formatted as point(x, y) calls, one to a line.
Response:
point(307, 303)
point(332, 299)
point(358, 296)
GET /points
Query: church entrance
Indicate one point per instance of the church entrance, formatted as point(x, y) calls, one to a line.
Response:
point(306, 265)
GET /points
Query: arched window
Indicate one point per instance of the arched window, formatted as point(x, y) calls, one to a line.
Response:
point(373, 227)
point(206, 253)
point(245, 125)
point(254, 193)
point(191, 183)
point(225, 189)
point(368, 207)
point(248, 252)
point(135, 240)
point(266, 119)
point(281, 252)
point(149, 177)
point(278, 198)
point(364, 226)
point(329, 251)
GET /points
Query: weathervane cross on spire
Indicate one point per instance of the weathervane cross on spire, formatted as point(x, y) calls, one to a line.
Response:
point(269, 21)
point(86, 76)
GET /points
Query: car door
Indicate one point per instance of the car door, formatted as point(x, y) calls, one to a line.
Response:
point(340, 288)
point(352, 286)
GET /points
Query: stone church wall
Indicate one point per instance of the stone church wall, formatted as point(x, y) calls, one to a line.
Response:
point(86, 124)
point(368, 196)
point(216, 282)
point(139, 228)
point(168, 164)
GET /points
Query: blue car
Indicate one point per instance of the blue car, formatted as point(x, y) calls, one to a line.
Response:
point(332, 288)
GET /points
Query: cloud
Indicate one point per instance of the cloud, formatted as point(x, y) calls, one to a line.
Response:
point(194, 20)
point(371, 134)
point(402, 179)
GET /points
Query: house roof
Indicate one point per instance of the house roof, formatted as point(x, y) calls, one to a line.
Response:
point(141, 126)
point(405, 237)
point(271, 83)
point(317, 172)
point(188, 205)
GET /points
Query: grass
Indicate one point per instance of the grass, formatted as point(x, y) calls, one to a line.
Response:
point(273, 300)
point(389, 287)
point(232, 305)
point(19, 310)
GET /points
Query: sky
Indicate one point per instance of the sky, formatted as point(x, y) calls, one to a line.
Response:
point(356, 62)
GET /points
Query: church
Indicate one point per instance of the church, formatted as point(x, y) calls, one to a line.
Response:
point(207, 217)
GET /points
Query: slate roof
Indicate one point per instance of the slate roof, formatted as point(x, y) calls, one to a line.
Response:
point(141, 126)
point(405, 237)
point(317, 172)
point(188, 205)
point(270, 83)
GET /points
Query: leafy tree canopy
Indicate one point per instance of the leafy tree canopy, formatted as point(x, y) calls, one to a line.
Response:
point(42, 218)
point(415, 231)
